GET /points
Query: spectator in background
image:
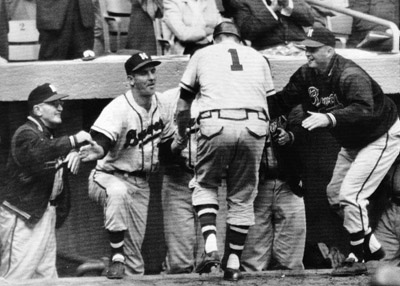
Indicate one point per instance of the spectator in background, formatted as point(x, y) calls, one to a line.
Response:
point(3, 30)
point(66, 29)
point(141, 34)
point(191, 22)
point(277, 239)
point(273, 27)
point(385, 9)
point(98, 44)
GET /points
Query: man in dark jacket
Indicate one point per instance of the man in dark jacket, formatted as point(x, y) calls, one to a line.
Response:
point(65, 27)
point(271, 24)
point(339, 95)
point(35, 188)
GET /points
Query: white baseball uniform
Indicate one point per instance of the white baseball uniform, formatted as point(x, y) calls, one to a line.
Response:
point(120, 180)
point(233, 81)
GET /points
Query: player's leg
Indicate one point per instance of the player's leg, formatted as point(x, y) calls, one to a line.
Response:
point(342, 165)
point(111, 193)
point(47, 266)
point(365, 174)
point(242, 183)
point(290, 228)
point(257, 251)
point(179, 221)
point(138, 202)
point(24, 245)
point(213, 153)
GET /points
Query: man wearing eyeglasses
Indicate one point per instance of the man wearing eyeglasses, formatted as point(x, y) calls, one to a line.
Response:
point(36, 187)
point(341, 96)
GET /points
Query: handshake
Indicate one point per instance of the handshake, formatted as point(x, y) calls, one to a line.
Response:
point(73, 159)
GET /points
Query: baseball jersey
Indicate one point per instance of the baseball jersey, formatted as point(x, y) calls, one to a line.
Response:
point(134, 132)
point(221, 74)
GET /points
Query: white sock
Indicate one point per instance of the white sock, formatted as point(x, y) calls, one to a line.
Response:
point(211, 243)
point(233, 261)
point(374, 244)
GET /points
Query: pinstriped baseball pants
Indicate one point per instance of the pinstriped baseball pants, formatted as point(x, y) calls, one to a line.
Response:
point(357, 174)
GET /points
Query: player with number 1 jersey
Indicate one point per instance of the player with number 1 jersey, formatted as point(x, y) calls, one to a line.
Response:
point(232, 76)
point(232, 82)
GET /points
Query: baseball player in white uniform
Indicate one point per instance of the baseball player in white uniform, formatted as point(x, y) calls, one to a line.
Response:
point(127, 134)
point(232, 81)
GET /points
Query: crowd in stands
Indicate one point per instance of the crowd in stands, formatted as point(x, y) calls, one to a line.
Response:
point(180, 27)
point(74, 29)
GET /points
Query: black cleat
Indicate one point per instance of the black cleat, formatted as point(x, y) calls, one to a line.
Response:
point(116, 270)
point(350, 267)
point(208, 261)
point(232, 274)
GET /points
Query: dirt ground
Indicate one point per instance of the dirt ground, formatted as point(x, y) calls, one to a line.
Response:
point(271, 278)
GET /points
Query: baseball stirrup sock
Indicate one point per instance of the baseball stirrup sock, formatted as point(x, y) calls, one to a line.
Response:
point(236, 238)
point(372, 248)
point(357, 245)
point(116, 242)
point(208, 221)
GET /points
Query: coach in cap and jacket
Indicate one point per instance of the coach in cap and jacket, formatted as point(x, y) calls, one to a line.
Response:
point(341, 96)
point(36, 188)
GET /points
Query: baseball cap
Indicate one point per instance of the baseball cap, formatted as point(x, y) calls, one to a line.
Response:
point(138, 60)
point(318, 37)
point(44, 93)
point(226, 27)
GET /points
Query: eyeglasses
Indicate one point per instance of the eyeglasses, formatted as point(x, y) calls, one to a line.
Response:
point(55, 103)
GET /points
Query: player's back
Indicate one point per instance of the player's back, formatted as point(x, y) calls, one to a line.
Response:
point(232, 76)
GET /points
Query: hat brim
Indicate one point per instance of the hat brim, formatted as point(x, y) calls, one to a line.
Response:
point(55, 97)
point(311, 43)
point(146, 63)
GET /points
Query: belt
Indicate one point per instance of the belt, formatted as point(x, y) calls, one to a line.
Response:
point(233, 114)
point(53, 203)
point(139, 174)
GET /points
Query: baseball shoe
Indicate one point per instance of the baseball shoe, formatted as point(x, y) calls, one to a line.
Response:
point(232, 274)
point(377, 255)
point(116, 268)
point(208, 261)
point(350, 267)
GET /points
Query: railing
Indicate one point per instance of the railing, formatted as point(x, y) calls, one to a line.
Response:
point(392, 26)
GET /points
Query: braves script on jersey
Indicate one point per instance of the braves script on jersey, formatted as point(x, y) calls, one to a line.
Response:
point(225, 70)
point(135, 133)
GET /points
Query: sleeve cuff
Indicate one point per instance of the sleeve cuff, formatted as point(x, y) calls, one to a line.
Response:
point(72, 140)
point(332, 119)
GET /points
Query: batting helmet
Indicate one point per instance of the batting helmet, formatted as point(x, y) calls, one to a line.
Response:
point(226, 28)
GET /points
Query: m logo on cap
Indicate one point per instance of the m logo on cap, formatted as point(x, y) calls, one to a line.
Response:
point(310, 32)
point(143, 56)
